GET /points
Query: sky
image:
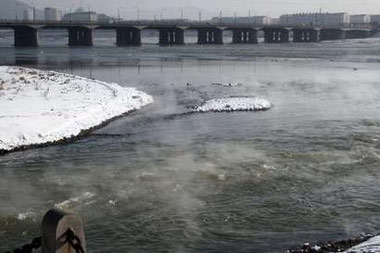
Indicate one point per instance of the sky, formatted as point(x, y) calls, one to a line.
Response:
point(129, 9)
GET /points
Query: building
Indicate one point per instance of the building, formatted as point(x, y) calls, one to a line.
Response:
point(27, 15)
point(360, 19)
point(104, 18)
point(257, 20)
point(375, 19)
point(324, 19)
point(88, 16)
point(275, 21)
point(51, 14)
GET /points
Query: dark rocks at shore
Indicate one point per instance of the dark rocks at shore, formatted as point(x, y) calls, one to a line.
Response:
point(331, 247)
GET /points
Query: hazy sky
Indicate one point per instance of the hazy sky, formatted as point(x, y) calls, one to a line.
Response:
point(171, 8)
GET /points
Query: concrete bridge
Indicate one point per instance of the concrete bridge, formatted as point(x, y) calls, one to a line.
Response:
point(128, 33)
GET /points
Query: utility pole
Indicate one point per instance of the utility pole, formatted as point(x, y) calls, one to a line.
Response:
point(33, 9)
point(200, 16)
point(16, 11)
point(89, 14)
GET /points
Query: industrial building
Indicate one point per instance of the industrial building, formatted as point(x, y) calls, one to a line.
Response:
point(325, 19)
point(360, 19)
point(51, 14)
point(257, 20)
point(27, 15)
point(375, 19)
point(88, 16)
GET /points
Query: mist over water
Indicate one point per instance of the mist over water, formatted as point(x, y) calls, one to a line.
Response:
point(162, 180)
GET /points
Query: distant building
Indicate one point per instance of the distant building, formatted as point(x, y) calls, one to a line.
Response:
point(360, 19)
point(27, 15)
point(88, 16)
point(375, 19)
point(51, 14)
point(275, 21)
point(59, 15)
point(257, 20)
point(104, 18)
point(326, 19)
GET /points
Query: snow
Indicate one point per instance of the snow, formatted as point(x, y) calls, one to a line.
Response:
point(370, 246)
point(41, 107)
point(234, 104)
point(229, 84)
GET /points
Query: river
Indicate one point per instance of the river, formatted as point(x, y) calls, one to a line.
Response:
point(163, 180)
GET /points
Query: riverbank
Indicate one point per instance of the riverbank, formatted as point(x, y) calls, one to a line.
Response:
point(40, 108)
point(362, 243)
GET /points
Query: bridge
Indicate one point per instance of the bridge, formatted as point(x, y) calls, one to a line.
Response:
point(128, 33)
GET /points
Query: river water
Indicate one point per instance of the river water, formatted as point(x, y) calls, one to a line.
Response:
point(162, 180)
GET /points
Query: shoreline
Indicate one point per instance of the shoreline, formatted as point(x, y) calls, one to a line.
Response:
point(332, 247)
point(45, 108)
point(64, 141)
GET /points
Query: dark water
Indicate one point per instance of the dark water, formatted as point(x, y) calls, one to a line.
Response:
point(162, 181)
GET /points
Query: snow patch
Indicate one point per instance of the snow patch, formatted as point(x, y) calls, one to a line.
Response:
point(40, 107)
point(370, 246)
point(229, 84)
point(234, 104)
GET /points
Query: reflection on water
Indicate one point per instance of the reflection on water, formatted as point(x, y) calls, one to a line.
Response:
point(161, 180)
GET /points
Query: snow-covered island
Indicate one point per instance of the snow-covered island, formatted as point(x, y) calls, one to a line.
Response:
point(234, 104)
point(44, 107)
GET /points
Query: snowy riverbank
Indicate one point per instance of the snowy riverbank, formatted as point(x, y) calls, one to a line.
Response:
point(365, 243)
point(41, 107)
point(370, 246)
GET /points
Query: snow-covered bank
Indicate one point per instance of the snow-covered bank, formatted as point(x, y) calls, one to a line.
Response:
point(42, 107)
point(234, 104)
point(370, 246)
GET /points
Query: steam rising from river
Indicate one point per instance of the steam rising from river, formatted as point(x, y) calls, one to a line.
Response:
point(177, 182)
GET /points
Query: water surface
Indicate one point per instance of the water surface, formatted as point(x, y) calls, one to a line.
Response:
point(163, 180)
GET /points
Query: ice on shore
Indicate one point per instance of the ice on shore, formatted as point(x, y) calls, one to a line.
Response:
point(370, 246)
point(40, 107)
point(229, 84)
point(234, 104)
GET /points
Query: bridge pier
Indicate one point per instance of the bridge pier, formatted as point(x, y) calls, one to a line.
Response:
point(172, 36)
point(210, 36)
point(128, 37)
point(306, 35)
point(276, 35)
point(80, 36)
point(245, 36)
point(358, 34)
point(332, 34)
point(25, 36)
